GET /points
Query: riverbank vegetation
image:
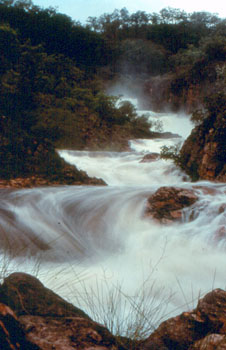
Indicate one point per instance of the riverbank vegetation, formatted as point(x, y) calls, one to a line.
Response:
point(54, 71)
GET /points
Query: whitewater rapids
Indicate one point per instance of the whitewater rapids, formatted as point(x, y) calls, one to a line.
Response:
point(68, 233)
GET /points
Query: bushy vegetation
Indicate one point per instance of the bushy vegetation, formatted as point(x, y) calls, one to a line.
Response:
point(51, 76)
point(49, 98)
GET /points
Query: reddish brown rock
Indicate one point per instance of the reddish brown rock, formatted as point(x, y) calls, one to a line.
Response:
point(41, 301)
point(210, 342)
point(212, 308)
point(150, 157)
point(167, 203)
point(67, 333)
point(195, 329)
point(37, 181)
point(203, 154)
point(12, 336)
point(49, 321)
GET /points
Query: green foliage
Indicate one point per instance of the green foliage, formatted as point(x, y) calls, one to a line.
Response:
point(50, 95)
point(56, 32)
point(48, 102)
point(171, 152)
point(185, 57)
point(142, 57)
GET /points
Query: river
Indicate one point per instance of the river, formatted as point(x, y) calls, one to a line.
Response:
point(82, 240)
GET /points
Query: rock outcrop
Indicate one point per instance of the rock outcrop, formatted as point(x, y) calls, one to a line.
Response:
point(167, 203)
point(203, 155)
point(173, 92)
point(199, 329)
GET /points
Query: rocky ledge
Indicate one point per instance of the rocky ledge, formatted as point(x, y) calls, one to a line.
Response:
point(33, 317)
point(150, 157)
point(37, 181)
point(167, 203)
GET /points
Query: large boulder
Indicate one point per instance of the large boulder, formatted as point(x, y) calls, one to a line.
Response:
point(167, 203)
point(50, 322)
point(199, 329)
point(41, 301)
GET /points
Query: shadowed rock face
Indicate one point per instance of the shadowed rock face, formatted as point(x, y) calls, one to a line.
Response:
point(203, 154)
point(167, 203)
point(12, 335)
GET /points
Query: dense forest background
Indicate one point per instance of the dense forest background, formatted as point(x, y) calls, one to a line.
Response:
point(54, 73)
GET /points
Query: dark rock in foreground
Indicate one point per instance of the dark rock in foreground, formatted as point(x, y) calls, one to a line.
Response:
point(12, 335)
point(199, 329)
point(167, 203)
point(41, 301)
point(49, 321)
point(42, 320)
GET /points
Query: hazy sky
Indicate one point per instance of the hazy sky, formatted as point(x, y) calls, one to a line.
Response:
point(82, 9)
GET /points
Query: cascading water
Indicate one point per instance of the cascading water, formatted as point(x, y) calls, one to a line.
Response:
point(100, 233)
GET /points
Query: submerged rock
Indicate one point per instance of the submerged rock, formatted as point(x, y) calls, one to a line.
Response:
point(150, 157)
point(167, 203)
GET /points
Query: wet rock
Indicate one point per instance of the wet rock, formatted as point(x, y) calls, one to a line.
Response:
point(212, 308)
point(164, 135)
point(12, 336)
point(150, 157)
point(210, 342)
point(37, 181)
point(167, 203)
point(203, 154)
point(50, 322)
point(67, 333)
point(42, 301)
point(203, 326)
point(222, 209)
point(176, 333)
point(220, 234)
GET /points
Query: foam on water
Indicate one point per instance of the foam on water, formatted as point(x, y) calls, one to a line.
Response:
point(100, 233)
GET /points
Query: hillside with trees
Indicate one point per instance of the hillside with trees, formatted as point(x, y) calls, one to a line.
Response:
point(54, 73)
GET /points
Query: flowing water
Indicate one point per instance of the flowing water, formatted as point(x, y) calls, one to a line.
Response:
point(77, 237)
